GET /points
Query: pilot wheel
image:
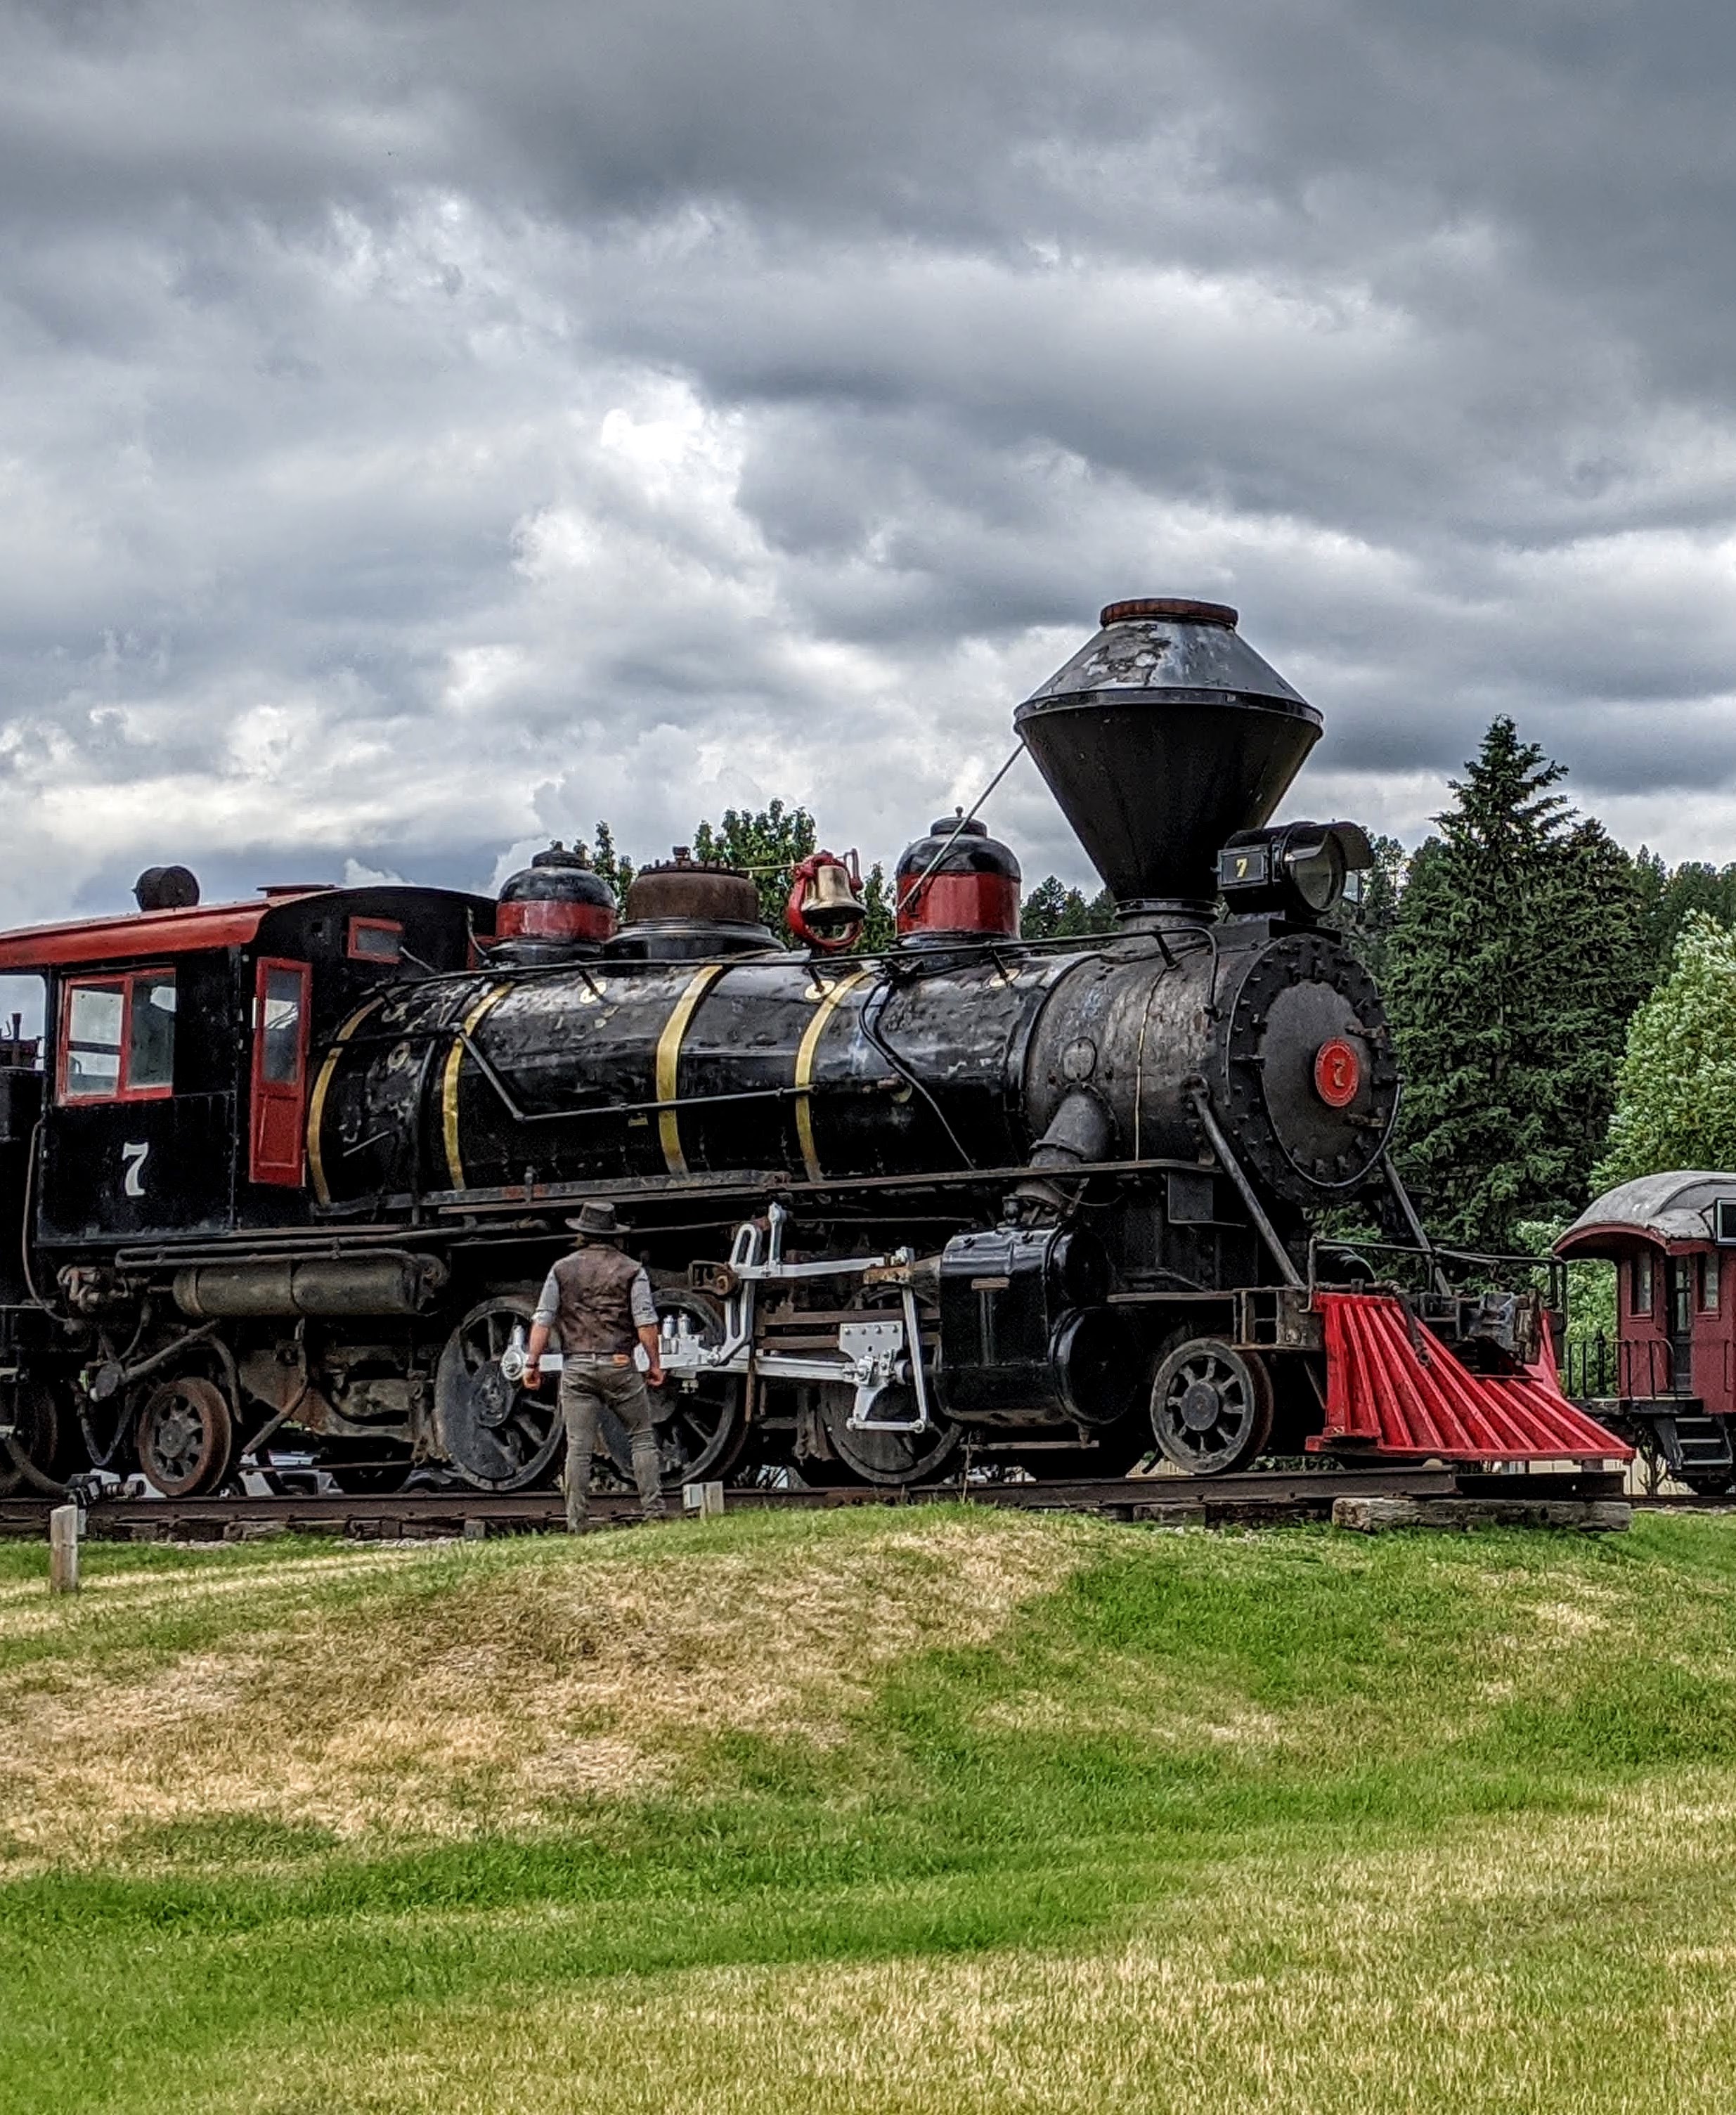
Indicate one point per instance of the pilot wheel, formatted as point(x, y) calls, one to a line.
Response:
point(1211, 1407)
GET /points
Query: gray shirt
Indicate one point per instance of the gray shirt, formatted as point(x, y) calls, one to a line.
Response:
point(638, 1299)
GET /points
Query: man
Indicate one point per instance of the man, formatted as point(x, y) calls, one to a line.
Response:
point(596, 1301)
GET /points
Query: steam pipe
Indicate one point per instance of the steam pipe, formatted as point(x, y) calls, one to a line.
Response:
point(1233, 1168)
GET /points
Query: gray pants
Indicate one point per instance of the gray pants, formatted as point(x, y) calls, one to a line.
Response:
point(587, 1388)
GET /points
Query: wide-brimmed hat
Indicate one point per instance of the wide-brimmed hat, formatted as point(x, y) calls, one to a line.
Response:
point(598, 1220)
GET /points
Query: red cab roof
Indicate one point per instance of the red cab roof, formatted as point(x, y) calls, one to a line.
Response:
point(145, 935)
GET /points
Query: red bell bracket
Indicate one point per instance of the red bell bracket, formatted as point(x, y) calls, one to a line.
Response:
point(826, 911)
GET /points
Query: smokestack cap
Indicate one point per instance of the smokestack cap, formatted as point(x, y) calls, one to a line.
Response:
point(1190, 612)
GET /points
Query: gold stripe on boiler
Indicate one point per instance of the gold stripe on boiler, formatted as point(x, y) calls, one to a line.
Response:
point(316, 1106)
point(833, 994)
point(449, 1085)
point(668, 1065)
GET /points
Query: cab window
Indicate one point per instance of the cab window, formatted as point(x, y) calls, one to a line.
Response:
point(118, 1043)
point(280, 1024)
point(375, 940)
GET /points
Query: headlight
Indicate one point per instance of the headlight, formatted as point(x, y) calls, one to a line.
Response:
point(1300, 868)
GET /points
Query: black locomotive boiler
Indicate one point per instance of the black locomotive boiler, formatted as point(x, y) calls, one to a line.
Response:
point(290, 1170)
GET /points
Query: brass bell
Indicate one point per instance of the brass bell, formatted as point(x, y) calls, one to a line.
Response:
point(832, 899)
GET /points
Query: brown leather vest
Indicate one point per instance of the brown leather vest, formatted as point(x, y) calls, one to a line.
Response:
point(595, 1314)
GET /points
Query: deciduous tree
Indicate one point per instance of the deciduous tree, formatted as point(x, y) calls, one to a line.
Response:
point(1675, 1093)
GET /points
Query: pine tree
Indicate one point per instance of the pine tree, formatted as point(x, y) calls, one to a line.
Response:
point(1051, 912)
point(1515, 961)
point(1669, 897)
point(1367, 926)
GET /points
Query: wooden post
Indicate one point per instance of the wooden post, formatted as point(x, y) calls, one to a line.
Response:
point(63, 1526)
point(704, 1499)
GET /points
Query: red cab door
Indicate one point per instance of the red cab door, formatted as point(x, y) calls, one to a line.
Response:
point(278, 1143)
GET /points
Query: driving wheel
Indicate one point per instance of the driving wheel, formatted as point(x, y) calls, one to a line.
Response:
point(1211, 1407)
point(884, 1457)
point(700, 1429)
point(186, 1437)
point(35, 1425)
point(500, 1437)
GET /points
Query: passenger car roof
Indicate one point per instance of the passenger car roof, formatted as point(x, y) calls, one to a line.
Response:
point(1670, 1208)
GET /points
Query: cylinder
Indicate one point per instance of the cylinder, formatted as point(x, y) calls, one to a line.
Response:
point(373, 1285)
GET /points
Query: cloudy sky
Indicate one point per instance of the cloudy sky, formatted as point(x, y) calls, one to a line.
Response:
point(428, 427)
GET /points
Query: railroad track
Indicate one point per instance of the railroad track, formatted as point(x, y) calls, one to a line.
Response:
point(1263, 1497)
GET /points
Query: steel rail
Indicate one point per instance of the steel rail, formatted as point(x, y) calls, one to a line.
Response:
point(1267, 1496)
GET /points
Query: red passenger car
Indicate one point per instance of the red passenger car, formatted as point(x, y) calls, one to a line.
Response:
point(1667, 1379)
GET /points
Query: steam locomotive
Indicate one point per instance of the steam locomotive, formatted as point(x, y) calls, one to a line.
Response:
point(289, 1170)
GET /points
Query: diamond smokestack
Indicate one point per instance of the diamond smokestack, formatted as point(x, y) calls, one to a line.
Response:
point(1160, 739)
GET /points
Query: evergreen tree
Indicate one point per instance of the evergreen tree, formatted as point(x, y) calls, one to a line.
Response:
point(1668, 898)
point(1051, 912)
point(1367, 926)
point(617, 871)
point(880, 928)
point(1675, 1097)
point(1515, 959)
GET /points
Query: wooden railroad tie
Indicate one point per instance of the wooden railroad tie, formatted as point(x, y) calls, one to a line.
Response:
point(1370, 1515)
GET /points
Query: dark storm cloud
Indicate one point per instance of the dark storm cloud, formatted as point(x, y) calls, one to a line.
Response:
point(429, 426)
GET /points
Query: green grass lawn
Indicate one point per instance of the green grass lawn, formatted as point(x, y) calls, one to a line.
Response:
point(915, 1811)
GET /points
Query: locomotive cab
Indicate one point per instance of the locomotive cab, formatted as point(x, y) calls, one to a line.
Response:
point(176, 1082)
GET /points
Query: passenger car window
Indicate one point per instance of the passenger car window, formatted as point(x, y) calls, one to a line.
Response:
point(118, 1042)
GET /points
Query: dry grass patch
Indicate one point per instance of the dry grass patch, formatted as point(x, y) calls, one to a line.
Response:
point(1534, 1967)
point(484, 1688)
